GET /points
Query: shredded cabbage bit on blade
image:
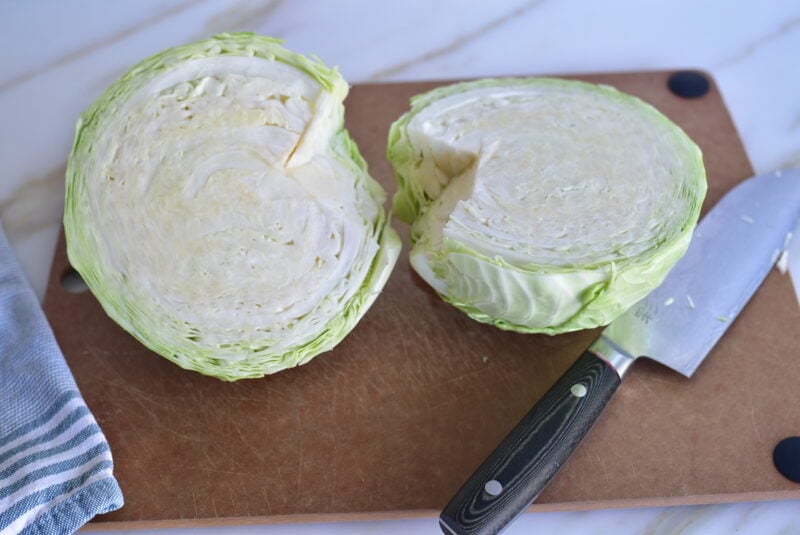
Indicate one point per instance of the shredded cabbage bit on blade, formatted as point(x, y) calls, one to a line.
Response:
point(540, 204)
point(220, 212)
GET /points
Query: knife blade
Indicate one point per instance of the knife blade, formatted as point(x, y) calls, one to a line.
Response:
point(732, 250)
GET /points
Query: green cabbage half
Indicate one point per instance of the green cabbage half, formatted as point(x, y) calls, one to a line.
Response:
point(543, 205)
point(219, 211)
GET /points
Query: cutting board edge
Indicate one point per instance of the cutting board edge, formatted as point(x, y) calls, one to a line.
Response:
point(414, 514)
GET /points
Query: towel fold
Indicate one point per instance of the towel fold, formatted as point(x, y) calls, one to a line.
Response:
point(56, 470)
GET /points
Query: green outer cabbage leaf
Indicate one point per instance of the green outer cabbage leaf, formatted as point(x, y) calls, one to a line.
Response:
point(531, 298)
point(248, 357)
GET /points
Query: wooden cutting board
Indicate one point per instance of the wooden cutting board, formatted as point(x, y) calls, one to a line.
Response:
point(391, 422)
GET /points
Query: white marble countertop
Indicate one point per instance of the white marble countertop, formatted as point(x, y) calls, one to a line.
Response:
point(58, 56)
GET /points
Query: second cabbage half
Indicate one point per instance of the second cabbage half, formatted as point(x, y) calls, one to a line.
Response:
point(543, 205)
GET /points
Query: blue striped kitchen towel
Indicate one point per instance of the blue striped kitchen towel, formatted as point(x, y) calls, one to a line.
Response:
point(55, 463)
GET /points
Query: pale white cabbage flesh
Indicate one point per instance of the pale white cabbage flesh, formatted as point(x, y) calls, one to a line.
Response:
point(543, 205)
point(219, 211)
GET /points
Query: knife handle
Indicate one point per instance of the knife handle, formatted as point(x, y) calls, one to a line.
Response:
point(527, 459)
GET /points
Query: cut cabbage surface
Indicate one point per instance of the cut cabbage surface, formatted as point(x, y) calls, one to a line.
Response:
point(219, 211)
point(543, 205)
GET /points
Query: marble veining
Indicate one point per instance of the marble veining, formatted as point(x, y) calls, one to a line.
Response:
point(58, 56)
point(458, 42)
point(93, 46)
point(789, 26)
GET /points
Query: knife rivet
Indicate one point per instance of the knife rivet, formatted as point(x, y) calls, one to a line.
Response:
point(578, 390)
point(493, 487)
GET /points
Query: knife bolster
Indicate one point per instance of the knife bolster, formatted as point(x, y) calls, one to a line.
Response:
point(614, 355)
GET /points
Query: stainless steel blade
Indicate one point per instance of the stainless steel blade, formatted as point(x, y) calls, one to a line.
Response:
point(732, 251)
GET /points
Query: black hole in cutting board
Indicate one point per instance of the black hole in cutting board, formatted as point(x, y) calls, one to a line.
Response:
point(786, 457)
point(688, 84)
point(72, 281)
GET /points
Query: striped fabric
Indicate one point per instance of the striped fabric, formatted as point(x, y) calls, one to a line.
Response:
point(55, 463)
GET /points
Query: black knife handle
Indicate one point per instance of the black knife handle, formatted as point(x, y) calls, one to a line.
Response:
point(527, 459)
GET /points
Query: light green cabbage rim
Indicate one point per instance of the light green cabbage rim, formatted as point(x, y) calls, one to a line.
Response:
point(626, 280)
point(80, 245)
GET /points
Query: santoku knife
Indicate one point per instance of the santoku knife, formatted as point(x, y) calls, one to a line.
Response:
point(732, 251)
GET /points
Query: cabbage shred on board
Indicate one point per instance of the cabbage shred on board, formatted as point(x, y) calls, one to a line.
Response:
point(543, 205)
point(220, 212)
